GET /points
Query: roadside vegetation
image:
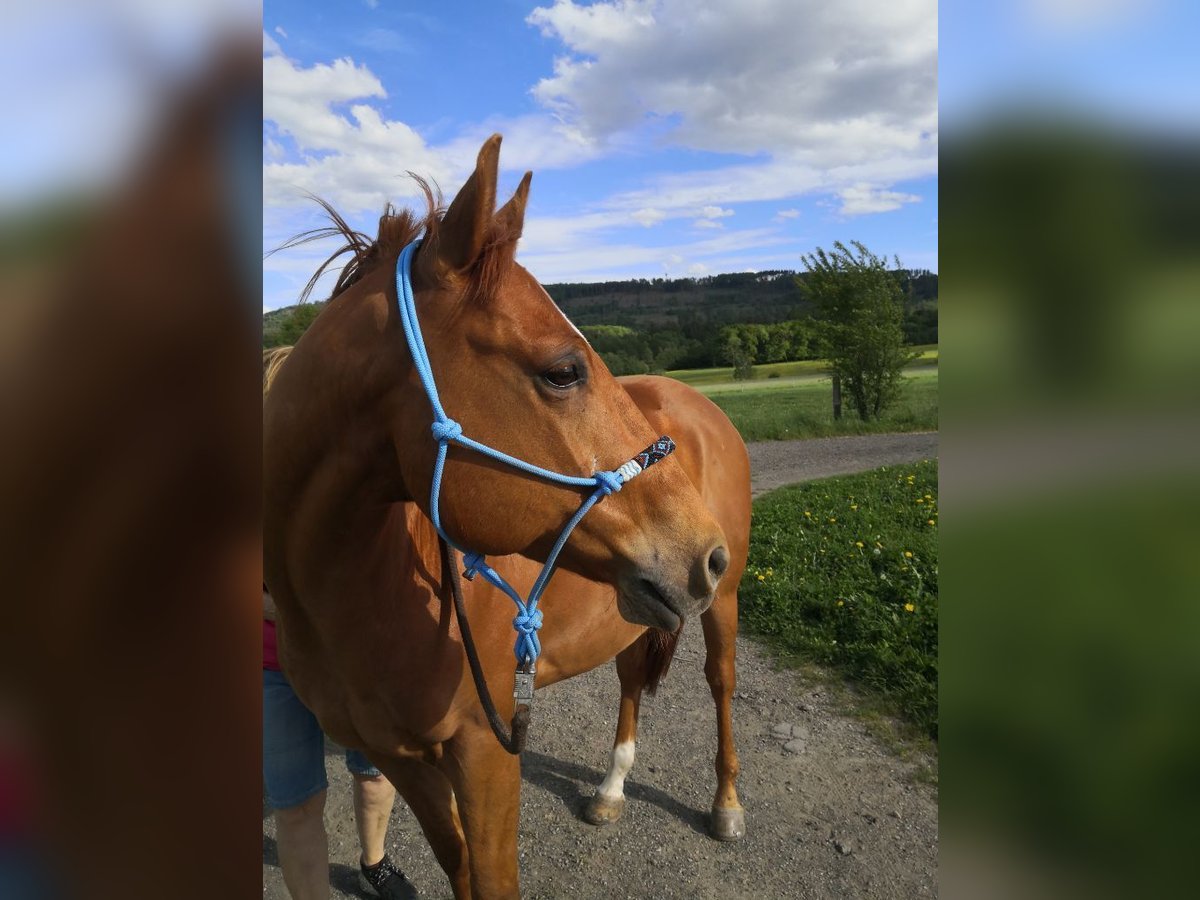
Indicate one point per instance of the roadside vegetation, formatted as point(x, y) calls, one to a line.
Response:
point(844, 574)
point(926, 356)
point(785, 410)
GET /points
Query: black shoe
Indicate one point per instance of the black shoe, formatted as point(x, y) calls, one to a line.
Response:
point(384, 880)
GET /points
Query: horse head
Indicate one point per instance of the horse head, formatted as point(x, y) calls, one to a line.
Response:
point(520, 377)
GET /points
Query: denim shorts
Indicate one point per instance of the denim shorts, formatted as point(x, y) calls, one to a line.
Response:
point(294, 747)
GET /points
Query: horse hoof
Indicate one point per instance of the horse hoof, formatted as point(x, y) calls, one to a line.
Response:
point(728, 823)
point(603, 810)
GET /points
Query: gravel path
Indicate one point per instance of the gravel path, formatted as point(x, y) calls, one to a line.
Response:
point(830, 811)
point(776, 463)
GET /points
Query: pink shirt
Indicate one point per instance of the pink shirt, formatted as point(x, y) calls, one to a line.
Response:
point(270, 653)
point(16, 793)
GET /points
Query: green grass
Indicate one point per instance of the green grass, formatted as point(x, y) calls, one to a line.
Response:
point(844, 574)
point(806, 368)
point(782, 410)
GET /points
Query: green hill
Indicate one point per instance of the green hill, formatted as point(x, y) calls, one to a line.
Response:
point(688, 312)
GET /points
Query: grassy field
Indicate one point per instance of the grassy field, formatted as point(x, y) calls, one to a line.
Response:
point(844, 573)
point(782, 410)
point(807, 368)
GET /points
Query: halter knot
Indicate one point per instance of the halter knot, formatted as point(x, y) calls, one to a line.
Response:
point(472, 562)
point(446, 431)
point(608, 482)
point(528, 623)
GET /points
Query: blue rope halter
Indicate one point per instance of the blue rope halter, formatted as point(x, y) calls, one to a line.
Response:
point(446, 431)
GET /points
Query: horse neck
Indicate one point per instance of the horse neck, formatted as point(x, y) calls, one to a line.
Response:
point(334, 418)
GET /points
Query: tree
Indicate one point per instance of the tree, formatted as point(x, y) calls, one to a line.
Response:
point(738, 349)
point(297, 320)
point(860, 310)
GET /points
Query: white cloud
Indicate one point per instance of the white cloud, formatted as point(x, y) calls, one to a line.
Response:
point(299, 100)
point(532, 142)
point(592, 29)
point(829, 97)
point(271, 46)
point(353, 158)
point(682, 194)
point(372, 4)
point(860, 199)
point(815, 80)
point(647, 216)
point(279, 31)
point(357, 158)
point(785, 214)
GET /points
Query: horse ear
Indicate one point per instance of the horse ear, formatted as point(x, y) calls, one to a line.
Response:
point(510, 218)
point(464, 228)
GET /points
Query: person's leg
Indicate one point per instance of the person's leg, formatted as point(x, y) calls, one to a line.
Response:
point(294, 776)
point(374, 797)
point(304, 848)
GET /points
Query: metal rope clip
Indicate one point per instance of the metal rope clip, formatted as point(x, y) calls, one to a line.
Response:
point(523, 689)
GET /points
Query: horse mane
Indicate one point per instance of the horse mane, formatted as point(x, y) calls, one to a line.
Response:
point(397, 229)
point(272, 359)
point(660, 650)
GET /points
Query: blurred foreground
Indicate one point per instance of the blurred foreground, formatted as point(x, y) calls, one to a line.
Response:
point(130, 468)
point(1070, 470)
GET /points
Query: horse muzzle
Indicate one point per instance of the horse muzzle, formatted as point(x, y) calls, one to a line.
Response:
point(661, 596)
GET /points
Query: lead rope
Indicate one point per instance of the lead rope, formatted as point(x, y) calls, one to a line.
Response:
point(513, 741)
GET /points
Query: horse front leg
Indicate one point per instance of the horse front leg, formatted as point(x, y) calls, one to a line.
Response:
point(608, 803)
point(720, 624)
point(487, 785)
point(429, 795)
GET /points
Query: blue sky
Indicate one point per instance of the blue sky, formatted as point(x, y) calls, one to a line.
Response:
point(1129, 63)
point(666, 137)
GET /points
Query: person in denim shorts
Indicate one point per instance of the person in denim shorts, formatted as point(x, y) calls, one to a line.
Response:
point(295, 781)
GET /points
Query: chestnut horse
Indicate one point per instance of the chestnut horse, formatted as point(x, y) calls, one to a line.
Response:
point(367, 633)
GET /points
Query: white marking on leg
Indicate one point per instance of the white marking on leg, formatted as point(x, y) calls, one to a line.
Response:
point(613, 786)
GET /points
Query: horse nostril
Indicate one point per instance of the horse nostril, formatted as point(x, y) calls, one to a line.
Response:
point(718, 562)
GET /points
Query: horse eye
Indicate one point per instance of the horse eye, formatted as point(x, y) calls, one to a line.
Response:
point(563, 376)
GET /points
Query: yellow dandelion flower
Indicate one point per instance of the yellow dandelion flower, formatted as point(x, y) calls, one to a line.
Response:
point(879, 545)
point(770, 572)
point(807, 513)
point(931, 522)
point(762, 577)
point(908, 554)
point(832, 520)
point(841, 603)
point(920, 500)
point(854, 506)
point(908, 607)
point(858, 544)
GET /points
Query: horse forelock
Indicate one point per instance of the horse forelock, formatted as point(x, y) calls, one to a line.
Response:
point(397, 229)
